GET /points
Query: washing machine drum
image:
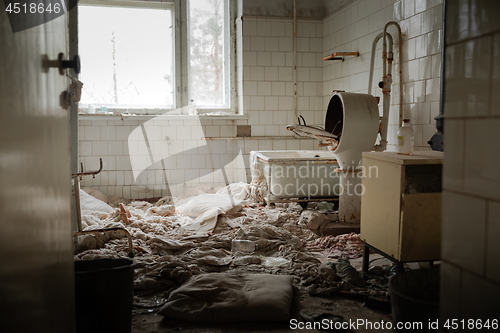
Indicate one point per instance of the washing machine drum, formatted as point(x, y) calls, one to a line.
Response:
point(334, 116)
point(351, 127)
point(354, 118)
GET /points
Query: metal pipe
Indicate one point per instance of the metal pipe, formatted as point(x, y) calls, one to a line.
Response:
point(76, 184)
point(387, 59)
point(374, 46)
point(386, 88)
point(89, 173)
point(400, 41)
point(295, 115)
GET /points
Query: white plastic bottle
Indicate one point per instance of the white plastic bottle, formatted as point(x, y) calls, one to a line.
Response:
point(191, 107)
point(406, 139)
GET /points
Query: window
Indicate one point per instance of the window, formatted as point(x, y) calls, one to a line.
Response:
point(127, 56)
point(209, 53)
point(134, 55)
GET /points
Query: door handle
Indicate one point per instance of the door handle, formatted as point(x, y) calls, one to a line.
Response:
point(63, 64)
point(75, 64)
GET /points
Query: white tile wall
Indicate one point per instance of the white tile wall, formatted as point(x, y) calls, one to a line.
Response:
point(268, 77)
point(354, 29)
point(470, 284)
point(265, 56)
point(469, 253)
point(180, 145)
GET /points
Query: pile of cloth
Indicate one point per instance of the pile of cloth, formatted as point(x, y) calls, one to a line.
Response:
point(173, 243)
point(346, 246)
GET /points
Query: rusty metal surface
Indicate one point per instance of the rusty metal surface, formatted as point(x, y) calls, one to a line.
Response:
point(89, 173)
point(326, 138)
point(343, 54)
point(340, 55)
point(76, 186)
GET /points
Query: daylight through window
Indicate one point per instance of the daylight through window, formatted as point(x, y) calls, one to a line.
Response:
point(208, 53)
point(127, 56)
point(133, 55)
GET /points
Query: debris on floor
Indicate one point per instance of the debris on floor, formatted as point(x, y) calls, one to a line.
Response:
point(172, 244)
point(319, 317)
point(312, 219)
point(325, 206)
point(346, 246)
point(222, 298)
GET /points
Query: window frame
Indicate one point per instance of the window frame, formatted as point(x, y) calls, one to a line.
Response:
point(181, 55)
point(227, 53)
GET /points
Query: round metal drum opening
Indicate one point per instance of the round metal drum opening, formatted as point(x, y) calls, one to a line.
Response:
point(334, 121)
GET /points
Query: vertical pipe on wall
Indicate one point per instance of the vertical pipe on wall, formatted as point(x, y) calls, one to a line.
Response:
point(384, 54)
point(386, 88)
point(295, 115)
point(372, 61)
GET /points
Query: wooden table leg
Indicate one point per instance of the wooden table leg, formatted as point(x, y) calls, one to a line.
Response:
point(366, 257)
point(400, 267)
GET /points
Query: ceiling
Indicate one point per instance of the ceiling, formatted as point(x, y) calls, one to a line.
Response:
point(284, 8)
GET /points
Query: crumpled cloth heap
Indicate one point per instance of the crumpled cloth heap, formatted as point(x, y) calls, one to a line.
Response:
point(347, 246)
point(169, 251)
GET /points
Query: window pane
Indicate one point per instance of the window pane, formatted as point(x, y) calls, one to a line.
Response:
point(127, 56)
point(208, 52)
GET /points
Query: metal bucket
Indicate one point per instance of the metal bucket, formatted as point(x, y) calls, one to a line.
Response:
point(104, 292)
point(415, 298)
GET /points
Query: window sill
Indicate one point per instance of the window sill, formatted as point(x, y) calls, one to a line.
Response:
point(161, 117)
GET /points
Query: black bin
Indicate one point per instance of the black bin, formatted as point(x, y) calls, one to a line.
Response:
point(415, 298)
point(104, 292)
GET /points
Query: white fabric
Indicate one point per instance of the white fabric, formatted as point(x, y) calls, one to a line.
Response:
point(202, 203)
point(88, 202)
point(239, 191)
